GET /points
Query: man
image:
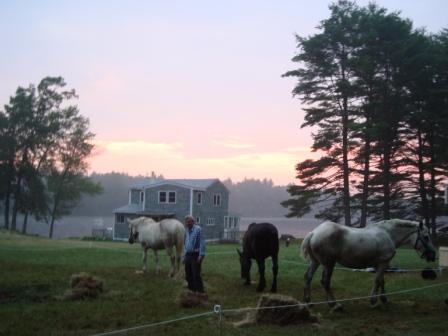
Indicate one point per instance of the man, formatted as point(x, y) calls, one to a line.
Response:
point(194, 253)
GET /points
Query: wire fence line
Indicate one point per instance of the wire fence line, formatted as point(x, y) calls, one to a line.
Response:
point(218, 311)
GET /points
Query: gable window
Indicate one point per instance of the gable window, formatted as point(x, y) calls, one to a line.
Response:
point(167, 197)
point(216, 199)
point(199, 198)
point(210, 221)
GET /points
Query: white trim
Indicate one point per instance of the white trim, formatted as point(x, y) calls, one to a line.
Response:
point(129, 196)
point(210, 221)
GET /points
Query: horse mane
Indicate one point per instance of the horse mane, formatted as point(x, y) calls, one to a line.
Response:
point(141, 220)
point(397, 223)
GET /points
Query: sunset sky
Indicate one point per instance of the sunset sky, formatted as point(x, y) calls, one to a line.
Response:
point(188, 89)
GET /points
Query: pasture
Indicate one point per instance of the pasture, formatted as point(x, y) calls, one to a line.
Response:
point(35, 272)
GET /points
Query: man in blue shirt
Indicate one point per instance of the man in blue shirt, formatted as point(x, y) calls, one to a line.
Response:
point(194, 253)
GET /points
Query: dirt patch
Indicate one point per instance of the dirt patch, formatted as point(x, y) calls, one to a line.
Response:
point(30, 293)
point(189, 299)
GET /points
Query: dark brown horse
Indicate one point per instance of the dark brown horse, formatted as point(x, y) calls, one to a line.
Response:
point(260, 242)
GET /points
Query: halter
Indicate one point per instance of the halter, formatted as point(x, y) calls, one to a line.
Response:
point(424, 243)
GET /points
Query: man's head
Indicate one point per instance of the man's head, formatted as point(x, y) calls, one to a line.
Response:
point(189, 221)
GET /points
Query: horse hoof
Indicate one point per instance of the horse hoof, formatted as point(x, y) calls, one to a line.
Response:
point(383, 299)
point(337, 308)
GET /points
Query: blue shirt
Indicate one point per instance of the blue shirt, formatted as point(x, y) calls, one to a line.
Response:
point(194, 241)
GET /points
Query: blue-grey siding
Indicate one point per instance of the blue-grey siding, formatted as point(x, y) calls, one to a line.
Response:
point(180, 208)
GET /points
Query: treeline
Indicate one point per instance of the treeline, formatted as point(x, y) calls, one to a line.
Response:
point(376, 92)
point(248, 198)
point(44, 143)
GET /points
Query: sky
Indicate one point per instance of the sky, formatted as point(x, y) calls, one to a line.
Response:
point(187, 89)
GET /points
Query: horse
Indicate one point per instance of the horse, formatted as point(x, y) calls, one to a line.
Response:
point(260, 242)
point(373, 246)
point(166, 234)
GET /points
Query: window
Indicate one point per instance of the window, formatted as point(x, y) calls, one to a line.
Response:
point(120, 218)
point(167, 197)
point(199, 197)
point(217, 199)
point(210, 221)
point(141, 197)
point(198, 220)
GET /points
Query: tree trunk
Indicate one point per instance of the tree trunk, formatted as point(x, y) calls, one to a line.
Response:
point(7, 205)
point(15, 207)
point(345, 168)
point(386, 181)
point(366, 175)
point(432, 189)
point(421, 179)
point(25, 223)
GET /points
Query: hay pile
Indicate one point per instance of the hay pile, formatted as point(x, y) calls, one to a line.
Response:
point(83, 286)
point(280, 316)
point(189, 299)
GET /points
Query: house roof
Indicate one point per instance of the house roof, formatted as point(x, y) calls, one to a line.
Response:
point(129, 209)
point(196, 184)
point(136, 209)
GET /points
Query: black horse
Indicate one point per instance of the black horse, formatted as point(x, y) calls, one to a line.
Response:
point(260, 242)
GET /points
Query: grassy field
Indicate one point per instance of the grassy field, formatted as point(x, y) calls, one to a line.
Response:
point(35, 272)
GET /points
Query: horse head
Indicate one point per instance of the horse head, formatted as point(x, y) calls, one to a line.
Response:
point(423, 244)
point(133, 231)
point(245, 263)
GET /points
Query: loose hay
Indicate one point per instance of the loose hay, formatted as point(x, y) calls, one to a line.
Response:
point(189, 299)
point(83, 286)
point(290, 312)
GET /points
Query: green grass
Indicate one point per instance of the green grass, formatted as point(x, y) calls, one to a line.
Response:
point(35, 272)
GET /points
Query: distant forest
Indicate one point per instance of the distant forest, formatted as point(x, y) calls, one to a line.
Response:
point(248, 198)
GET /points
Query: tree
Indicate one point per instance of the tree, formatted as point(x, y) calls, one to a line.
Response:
point(325, 84)
point(67, 181)
point(37, 129)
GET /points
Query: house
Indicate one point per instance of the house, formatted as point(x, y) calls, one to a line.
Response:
point(205, 199)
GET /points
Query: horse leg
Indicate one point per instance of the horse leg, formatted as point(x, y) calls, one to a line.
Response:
point(179, 250)
point(326, 283)
point(262, 281)
point(144, 259)
point(308, 277)
point(379, 283)
point(274, 273)
point(156, 254)
point(169, 251)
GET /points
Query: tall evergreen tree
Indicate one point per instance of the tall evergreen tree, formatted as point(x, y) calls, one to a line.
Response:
point(325, 85)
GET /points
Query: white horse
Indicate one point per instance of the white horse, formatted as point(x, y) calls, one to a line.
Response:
point(373, 246)
point(165, 234)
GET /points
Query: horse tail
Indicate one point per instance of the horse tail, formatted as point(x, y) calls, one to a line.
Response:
point(305, 247)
